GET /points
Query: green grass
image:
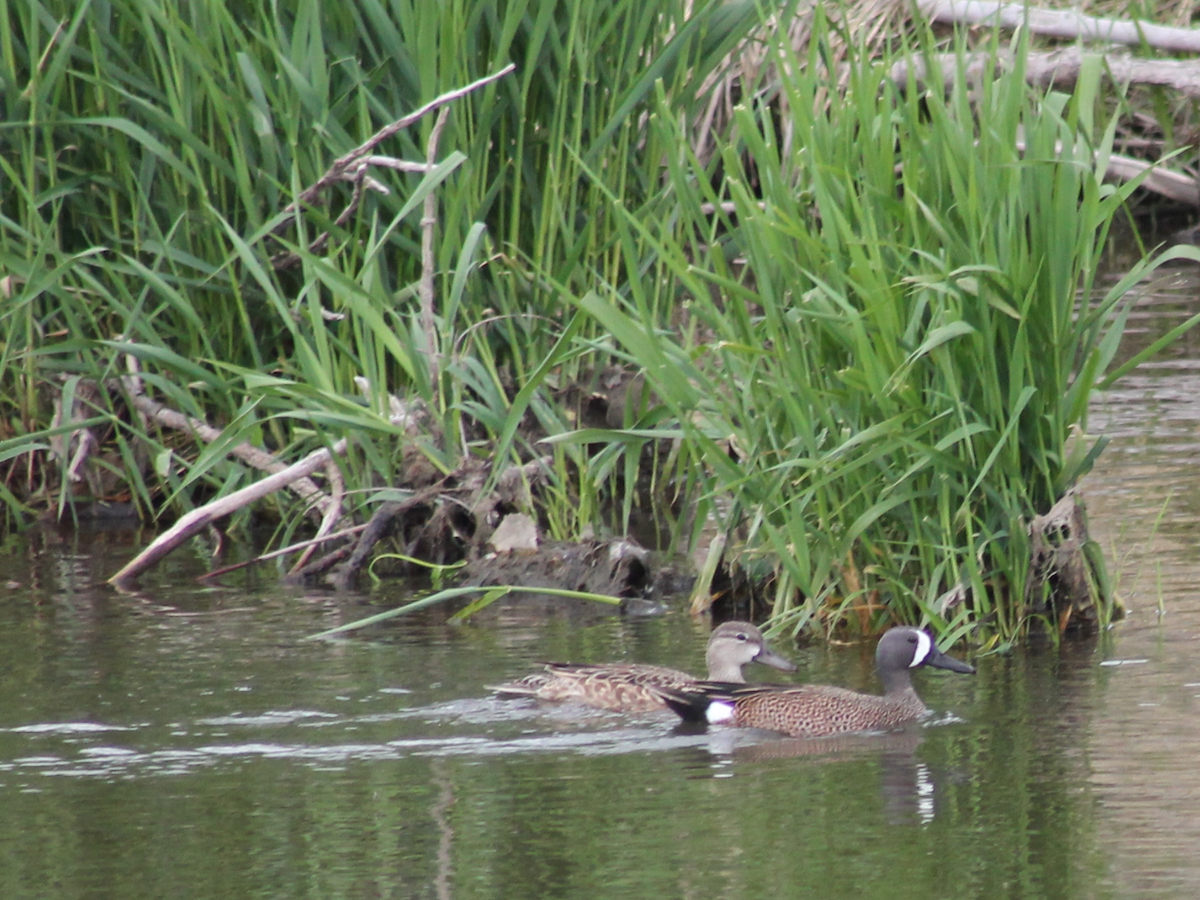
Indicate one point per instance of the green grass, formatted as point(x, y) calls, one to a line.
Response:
point(860, 316)
point(888, 355)
point(149, 150)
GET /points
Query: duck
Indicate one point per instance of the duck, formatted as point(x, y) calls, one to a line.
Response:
point(812, 710)
point(632, 687)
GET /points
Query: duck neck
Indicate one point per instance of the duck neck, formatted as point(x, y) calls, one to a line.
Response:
point(724, 670)
point(896, 682)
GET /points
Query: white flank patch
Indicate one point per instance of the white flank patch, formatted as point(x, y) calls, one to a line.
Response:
point(924, 645)
point(719, 711)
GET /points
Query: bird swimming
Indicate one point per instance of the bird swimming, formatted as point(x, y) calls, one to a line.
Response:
point(631, 687)
point(811, 710)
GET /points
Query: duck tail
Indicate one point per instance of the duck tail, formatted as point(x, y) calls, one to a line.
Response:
point(529, 686)
point(691, 706)
point(706, 701)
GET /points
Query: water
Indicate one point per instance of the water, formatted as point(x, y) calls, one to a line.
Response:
point(188, 742)
point(1144, 504)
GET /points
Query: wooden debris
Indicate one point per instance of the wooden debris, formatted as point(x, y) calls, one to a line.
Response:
point(305, 488)
point(203, 516)
point(1063, 23)
point(1060, 69)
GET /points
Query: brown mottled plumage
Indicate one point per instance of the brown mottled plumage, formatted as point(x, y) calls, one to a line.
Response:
point(810, 710)
point(630, 687)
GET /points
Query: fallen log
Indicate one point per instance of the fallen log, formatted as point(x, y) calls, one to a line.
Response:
point(1060, 69)
point(1062, 23)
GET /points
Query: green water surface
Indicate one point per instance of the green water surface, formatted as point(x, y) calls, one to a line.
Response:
point(187, 742)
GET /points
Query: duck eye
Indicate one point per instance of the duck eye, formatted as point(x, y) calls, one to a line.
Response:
point(741, 636)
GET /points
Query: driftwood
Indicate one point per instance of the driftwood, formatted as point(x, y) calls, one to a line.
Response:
point(81, 445)
point(1060, 68)
point(151, 410)
point(1065, 24)
point(443, 523)
point(311, 543)
point(337, 493)
point(294, 477)
point(1173, 185)
point(203, 516)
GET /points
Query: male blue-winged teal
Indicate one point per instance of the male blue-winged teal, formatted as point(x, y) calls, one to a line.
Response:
point(629, 687)
point(810, 710)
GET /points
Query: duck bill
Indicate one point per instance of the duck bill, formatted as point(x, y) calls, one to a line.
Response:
point(940, 660)
point(769, 657)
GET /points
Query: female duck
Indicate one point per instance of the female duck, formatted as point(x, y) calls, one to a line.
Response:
point(632, 687)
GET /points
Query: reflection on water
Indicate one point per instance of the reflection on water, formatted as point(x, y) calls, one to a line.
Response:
point(1144, 507)
point(144, 739)
point(186, 741)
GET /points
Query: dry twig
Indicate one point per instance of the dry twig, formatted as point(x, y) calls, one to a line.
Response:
point(425, 288)
point(353, 167)
point(153, 411)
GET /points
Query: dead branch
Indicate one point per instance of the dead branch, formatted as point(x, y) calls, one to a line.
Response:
point(305, 488)
point(199, 518)
point(377, 529)
point(1061, 68)
point(1066, 24)
point(1169, 184)
point(425, 287)
point(337, 494)
point(83, 440)
point(353, 167)
point(283, 551)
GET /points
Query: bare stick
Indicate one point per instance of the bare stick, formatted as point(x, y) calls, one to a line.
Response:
point(340, 165)
point(337, 493)
point(305, 488)
point(353, 166)
point(1062, 68)
point(198, 518)
point(425, 288)
point(283, 551)
point(1062, 24)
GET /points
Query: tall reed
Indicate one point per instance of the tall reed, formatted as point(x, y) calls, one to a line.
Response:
point(148, 151)
point(891, 334)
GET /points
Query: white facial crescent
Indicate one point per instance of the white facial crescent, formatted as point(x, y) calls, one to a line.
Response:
point(924, 645)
